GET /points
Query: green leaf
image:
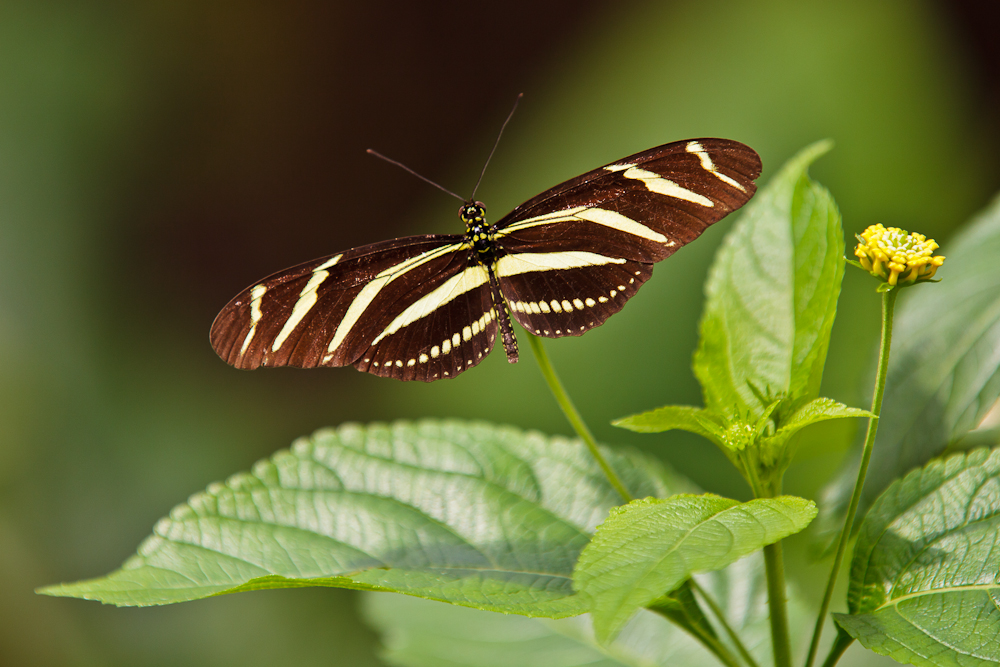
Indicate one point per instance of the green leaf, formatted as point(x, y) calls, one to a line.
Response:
point(419, 633)
point(772, 296)
point(684, 417)
point(469, 513)
point(813, 412)
point(925, 580)
point(649, 547)
point(944, 367)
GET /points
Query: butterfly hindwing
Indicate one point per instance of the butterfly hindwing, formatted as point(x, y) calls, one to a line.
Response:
point(565, 294)
point(448, 330)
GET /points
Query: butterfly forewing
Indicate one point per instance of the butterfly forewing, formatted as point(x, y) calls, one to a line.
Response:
point(645, 206)
point(329, 311)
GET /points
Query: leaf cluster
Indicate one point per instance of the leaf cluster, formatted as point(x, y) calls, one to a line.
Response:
point(498, 519)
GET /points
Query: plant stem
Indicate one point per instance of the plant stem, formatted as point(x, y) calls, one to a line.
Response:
point(696, 630)
point(574, 418)
point(840, 645)
point(777, 602)
point(888, 306)
point(721, 618)
point(720, 651)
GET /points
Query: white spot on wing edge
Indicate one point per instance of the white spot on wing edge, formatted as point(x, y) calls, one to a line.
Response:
point(708, 165)
point(619, 167)
point(662, 186)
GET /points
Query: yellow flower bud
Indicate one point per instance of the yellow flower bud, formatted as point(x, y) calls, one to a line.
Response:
point(897, 256)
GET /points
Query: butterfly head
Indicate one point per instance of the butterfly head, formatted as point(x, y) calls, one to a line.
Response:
point(473, 214)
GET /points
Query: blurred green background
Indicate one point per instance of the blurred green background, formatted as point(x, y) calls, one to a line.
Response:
point(157, 157)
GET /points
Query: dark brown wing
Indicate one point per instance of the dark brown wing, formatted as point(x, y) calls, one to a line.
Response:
point(377, 307)
point(593, 239)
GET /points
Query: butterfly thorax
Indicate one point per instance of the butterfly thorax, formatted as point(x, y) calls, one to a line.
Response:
point(478, 232)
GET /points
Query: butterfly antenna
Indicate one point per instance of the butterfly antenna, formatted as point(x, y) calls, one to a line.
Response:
point(495, 144)
point(422, 178)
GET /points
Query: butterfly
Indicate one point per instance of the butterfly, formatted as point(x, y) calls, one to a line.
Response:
point(430, 307)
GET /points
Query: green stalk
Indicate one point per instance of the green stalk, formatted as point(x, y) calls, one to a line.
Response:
point(575, 420)
point(777, 601)
point(720, 617)
point(888, 306)
point(696, 630)
point(840, 645)
point(777, 592)
point(720, 651)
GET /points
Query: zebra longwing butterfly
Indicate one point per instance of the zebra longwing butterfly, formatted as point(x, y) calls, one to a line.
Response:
point(430, 307)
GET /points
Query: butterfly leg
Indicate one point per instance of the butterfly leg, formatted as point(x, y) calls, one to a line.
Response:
point(503, 318)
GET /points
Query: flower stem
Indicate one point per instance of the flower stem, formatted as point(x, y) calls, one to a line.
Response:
point(888, 306)
point(574, 418)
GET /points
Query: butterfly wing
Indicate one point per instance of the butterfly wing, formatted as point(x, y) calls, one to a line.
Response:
point(572, 256)
point(370, 307)
point(447, 329)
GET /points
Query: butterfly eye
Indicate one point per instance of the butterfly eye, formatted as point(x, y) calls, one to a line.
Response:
point(472, 211)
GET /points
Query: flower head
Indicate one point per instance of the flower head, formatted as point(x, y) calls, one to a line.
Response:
point(897, 256)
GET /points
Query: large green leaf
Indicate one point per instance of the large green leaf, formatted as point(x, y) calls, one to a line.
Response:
point(418, 633)
point(649, 547)
point(944, 366)
point(925, 581)
point(772, 296)
point(469, 513)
